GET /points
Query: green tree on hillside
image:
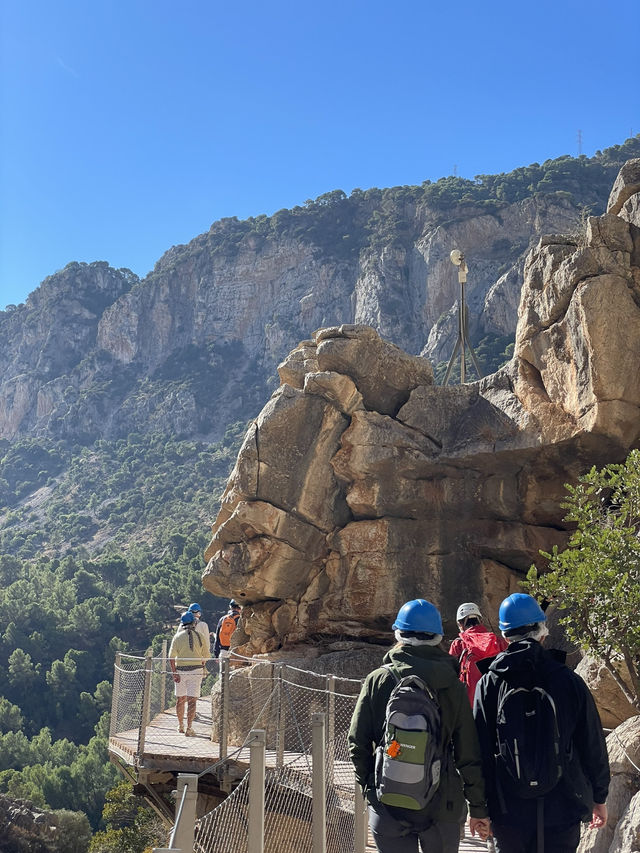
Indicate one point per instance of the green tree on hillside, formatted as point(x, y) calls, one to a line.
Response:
point(596, 578)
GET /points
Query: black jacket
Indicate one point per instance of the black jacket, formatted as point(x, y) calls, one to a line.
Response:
point(585, 778)
point(461, 777)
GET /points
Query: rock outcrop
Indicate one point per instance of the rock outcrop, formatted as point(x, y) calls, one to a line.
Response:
point(622, 832)
point(612, 704)
point(361, 484)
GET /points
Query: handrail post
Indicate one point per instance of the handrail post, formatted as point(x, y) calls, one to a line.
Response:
point(318, 787)
point(115, 694)
point(146, 699)
point(360, 823)
point(331, 724)
point(257, 749)
point(281, 724)
point(224, 708)
point(163, 680)
point(183, 834)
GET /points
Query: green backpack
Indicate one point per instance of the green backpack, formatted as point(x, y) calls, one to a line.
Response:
point(409, 759)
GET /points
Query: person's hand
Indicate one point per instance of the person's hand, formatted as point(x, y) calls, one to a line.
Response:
point(480, 826)
point(176, 678)
point(600, 816)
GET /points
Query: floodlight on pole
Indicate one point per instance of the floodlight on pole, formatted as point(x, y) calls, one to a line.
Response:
point(457, 259)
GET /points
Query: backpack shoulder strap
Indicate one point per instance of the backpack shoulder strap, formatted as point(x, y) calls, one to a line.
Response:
point(391, 670)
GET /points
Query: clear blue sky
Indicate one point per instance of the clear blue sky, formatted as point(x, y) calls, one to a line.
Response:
point(129, 126)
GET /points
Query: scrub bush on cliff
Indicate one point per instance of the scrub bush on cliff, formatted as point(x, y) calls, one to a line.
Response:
point(596, 578)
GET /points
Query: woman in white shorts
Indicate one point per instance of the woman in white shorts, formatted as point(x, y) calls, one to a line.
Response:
point(187, 657)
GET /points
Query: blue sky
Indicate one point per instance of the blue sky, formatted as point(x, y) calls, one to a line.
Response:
point(130, 126)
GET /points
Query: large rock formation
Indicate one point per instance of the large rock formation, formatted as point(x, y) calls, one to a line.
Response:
point(361, 484)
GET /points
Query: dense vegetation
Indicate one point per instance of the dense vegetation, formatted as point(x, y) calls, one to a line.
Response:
point(341, 226)
point(109, 493)
point(65, 619)
point(596, 578)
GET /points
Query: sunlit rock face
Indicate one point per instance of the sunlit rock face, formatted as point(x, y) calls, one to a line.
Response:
point(362, 484)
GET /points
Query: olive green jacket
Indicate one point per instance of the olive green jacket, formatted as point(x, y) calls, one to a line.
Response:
point(461, 777)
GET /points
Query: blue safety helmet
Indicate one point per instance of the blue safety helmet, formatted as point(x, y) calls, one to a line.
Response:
point(519, 609)
point(419, 615)
point(195, 608)
point(187, 618)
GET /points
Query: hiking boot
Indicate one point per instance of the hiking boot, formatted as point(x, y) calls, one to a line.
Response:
point(181, 728)
point(190, 732)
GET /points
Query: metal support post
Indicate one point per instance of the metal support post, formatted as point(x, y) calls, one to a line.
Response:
point(257, 750)
point(361, 828)
point(331, 724)
point(163, 680)
point(115, 694)
point(463, 342)
point(281, 718)
point(224, 708)
point(183, 834)
point(318, 787)
point(146, 704)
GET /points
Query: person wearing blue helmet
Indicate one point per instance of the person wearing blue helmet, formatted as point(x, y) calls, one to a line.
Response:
point(436, 827)
point(187, 656)
point(201, 626)
point(578, 788)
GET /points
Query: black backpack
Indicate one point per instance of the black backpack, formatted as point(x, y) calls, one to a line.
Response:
point(409, 759)
point(528, 755)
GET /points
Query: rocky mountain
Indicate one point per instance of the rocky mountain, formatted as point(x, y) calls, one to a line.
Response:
point(96, 354)
point(362, 484)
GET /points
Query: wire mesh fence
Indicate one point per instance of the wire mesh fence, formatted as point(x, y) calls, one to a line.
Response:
point(144, 685)
point(282, 700)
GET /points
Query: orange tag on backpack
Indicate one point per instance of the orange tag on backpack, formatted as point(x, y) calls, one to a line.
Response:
point(394, 749)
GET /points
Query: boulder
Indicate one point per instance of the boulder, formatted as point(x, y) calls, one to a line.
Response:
point(626, 185)
point(622, 831)
point(612, 704)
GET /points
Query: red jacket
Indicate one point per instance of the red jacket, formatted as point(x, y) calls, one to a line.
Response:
point(468, 650)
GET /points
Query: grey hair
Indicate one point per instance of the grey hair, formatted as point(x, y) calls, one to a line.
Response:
point(417, 641)
point(538, 632)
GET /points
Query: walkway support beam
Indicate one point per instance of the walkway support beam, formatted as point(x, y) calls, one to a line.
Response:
point(183, 834)
point(257, 750)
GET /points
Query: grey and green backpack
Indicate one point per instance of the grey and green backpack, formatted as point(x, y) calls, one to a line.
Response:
point(409, 758)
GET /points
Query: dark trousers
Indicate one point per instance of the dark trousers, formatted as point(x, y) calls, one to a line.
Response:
point(393, 836)
point(523, 839)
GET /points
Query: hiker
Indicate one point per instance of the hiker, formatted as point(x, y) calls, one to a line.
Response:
point(187, 656)
point(201, 627)
point(562, 757)
point(474, 643)
point(227, 624)
point(418, 681)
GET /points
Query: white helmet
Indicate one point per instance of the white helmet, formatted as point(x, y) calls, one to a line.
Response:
point(468, 609)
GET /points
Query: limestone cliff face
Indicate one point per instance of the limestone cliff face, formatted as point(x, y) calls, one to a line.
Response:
point(96, 352)
point(361, 484)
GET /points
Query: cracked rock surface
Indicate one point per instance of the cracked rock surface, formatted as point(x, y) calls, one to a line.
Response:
point(362, 484)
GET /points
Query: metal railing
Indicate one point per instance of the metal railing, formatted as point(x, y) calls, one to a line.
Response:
point(290, 725)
